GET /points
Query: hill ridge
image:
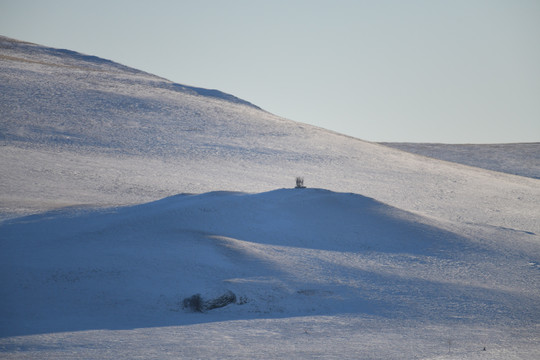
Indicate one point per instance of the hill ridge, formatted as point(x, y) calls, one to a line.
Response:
point(92, 59)
point(385, 254)
point(102, 138)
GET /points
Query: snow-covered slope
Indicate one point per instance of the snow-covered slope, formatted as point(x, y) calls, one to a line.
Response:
point(284, 254)
point(401, 256)
point(519, 159)
point(79, 130)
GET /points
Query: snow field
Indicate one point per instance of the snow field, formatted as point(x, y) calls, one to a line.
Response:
point(403, 256)
point(310, 256)
point(308, 337)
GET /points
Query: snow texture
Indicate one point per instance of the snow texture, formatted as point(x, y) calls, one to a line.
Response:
point(111, 219)
point(518, 159)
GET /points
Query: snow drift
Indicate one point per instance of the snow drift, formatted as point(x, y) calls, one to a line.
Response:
point(281, 253)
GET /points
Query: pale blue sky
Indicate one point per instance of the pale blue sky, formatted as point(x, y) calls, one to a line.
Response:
point(419, 71)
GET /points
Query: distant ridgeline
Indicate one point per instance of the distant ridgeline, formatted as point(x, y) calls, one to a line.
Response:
point(209, 93)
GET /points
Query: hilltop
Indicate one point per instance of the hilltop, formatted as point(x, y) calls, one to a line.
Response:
point(97, 133)
point(335, 260)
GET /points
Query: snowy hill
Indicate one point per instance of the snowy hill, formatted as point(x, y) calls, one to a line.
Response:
point(402, 256)
point(284, 254)
point(518, 159)
point(96, 133)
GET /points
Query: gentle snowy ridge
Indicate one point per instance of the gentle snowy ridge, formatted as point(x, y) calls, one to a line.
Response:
point(296, 252)
point(517, 159)
point(386, 254)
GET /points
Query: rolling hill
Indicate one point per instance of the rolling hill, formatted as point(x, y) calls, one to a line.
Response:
point(125, 195)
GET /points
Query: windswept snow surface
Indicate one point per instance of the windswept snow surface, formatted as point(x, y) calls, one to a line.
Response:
point(316, 274)
point(82, 131)
point(519, 159)
point(403, 256)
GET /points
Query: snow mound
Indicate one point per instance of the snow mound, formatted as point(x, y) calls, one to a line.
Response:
point(77, 130)
point(282, 253)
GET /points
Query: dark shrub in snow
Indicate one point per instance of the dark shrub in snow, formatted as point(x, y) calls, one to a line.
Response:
point(194, 303)
point(228, 298)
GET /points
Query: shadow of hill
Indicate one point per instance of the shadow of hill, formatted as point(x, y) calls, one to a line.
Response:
point(287, 252)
